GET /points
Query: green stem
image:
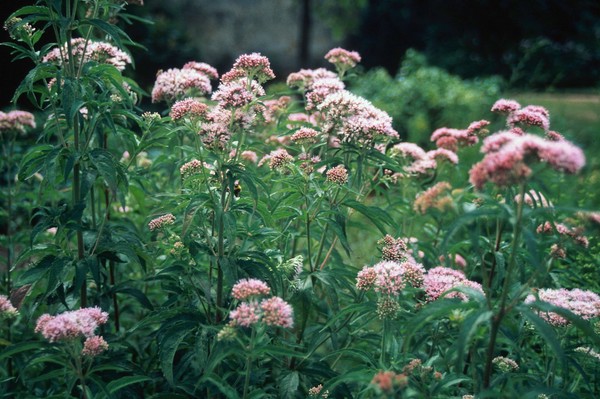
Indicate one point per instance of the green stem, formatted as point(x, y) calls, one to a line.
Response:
point(497, 320)
point(249, 363)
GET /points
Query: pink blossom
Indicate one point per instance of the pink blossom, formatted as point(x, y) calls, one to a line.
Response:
point(249, 156)
point(585, 304)
point(238, 93)
point(443, 154)
point(505, 162)
point(534, 199)
point(505, 106)
point(342, 59)
point(100, 52)
point(337, 175)
point(433, 197)
point(253, 66)
point(203, 68)
point(16, 120)
point(94, 345)
point(320, 89)
point(421, 166)
point(246, 314)
point(450, 138)
point(530, 117)
point(305, 77)
point(478, 128)
point(246, 288)
point(554, 136)
point(277, 312)
point(174, 84)
point(161, 221)
point(393, 249)
point(274, 108)
point(305, 135)
point(389, 279)
point(71, 324)
point(409, 150)
point(440, 280)
point(6, 307)
point(188, 107)
point(278, 159)
point(366, 278)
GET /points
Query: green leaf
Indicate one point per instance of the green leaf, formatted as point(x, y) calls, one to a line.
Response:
point(19, 348)
point(289, 385)
point(112, 30)
point(123, 382)
point(35, 160)
point(109, 168)
point(376, 215)
point(468, 328)
point(168, 345)
point(546, 331)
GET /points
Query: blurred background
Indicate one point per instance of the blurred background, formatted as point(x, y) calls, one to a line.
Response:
point(427, 62)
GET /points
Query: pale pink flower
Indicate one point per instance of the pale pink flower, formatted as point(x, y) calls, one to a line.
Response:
point(505, 106)
point(274, 108)
point(71, 324)
point(6, 307)
point(554, 136)
point(16, 120)
point(191, 168)
point(389, 279)
point(277, 312)
point(320, 89)
point(94, 345)
point(305, 135)
point(317, 392)
point(530, 117)
point(450, 139)
point(355, 119)
point(203, 68)
point(585, 304)
point(246, 288)
point(443, 154)
point(342, 59)
point(564, 230)
point(246, 314)
point(434, 197)
point(478, 128)
point(366, 278)
point(421, 166)
point(504, 164)
point(100, 52)
point(188, 107)
point(410, 150)
point(238, 93)
point(249, 156)
point(337, 175)
point(278, 159)
point(440, 280)
point(254, 66)
point(161, 221)
point(174, 84)
point(304, 78)
point(393, 249)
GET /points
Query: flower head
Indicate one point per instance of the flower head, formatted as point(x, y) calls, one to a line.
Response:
point(93, 346)
point(203, 68)
point(305, 135)
point(71, 324)
point(16, 121)
point(161, 221)
point(254, 66)
point(504, 106)
point(277, 312)
point(342, 59)
point(585, 304)
point(440, 280)
point(174, 84)
point(6, 307)
point(337, 175)
point(188, 107)
point(247, 288)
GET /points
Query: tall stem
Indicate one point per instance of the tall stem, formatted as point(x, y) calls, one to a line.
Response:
point(497, 319)
point(249, 363)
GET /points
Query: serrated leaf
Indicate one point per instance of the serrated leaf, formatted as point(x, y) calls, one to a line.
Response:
point(289, 385)
point(168, 345)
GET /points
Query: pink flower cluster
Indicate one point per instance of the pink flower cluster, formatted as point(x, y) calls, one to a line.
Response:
point(16, 120)
point(71, 324)
point(161, 221)
point(272, 311)
point(305, 78)
point(393, 249)
point(247, 288)
point(101, 52)
point(508, 157)
point(251, 66)
point(422, 162)
point(354, 119)
point(93, 346)
point(342, 59)
point(564, 230)
point(320, 89)
point(389, 277)
point(337, 175)
point(278, 159)
point(188, 107)
point(174, 84)
point(534, 199)
point(440, 280)
point(435, 196)
point(305, 135)
point(585, 304)
point(203, 68)
point(450, 139)
point(237, 93)
point(6, 307)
